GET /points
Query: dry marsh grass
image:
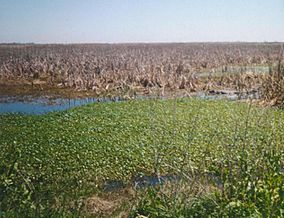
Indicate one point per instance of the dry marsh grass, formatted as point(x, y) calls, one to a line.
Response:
point(132, 68)
point(273, 86)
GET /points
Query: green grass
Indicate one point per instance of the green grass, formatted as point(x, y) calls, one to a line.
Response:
point(48, 163)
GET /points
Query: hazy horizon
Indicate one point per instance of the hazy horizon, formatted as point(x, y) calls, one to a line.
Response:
point(126, 21)
point(129, 43)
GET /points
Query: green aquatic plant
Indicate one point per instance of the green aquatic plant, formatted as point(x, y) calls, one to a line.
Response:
point(228, 154)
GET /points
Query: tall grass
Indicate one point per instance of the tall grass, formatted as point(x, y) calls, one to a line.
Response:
point(245, 180)
point(273, 86)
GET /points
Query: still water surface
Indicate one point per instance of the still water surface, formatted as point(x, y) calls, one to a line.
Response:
point(45, 105)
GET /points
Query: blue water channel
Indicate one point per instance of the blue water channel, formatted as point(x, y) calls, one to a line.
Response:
point(44, 105)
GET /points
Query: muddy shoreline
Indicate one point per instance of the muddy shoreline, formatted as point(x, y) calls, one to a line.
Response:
point(26, 91)
point(20, 88)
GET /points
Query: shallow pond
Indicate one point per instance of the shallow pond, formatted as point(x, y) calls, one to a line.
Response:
point(141, 182)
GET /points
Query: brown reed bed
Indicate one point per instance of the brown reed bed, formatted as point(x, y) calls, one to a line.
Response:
point(272, 90)
point(132, 69)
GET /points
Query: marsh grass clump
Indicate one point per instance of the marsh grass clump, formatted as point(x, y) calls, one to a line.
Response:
point(273, 86)
point(245, 179)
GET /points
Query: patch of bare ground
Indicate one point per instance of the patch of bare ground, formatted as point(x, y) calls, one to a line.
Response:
point(39, 88)
point(114, 204)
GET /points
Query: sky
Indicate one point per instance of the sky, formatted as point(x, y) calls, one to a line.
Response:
point(121, 21)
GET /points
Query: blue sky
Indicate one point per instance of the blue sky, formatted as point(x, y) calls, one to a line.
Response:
point(70, 21)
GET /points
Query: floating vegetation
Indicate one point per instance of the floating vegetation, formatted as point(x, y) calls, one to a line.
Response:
point(54, 164)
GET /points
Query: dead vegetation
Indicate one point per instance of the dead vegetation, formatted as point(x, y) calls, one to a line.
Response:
point(273, 86)
point(113, 204)
point(127, 69)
